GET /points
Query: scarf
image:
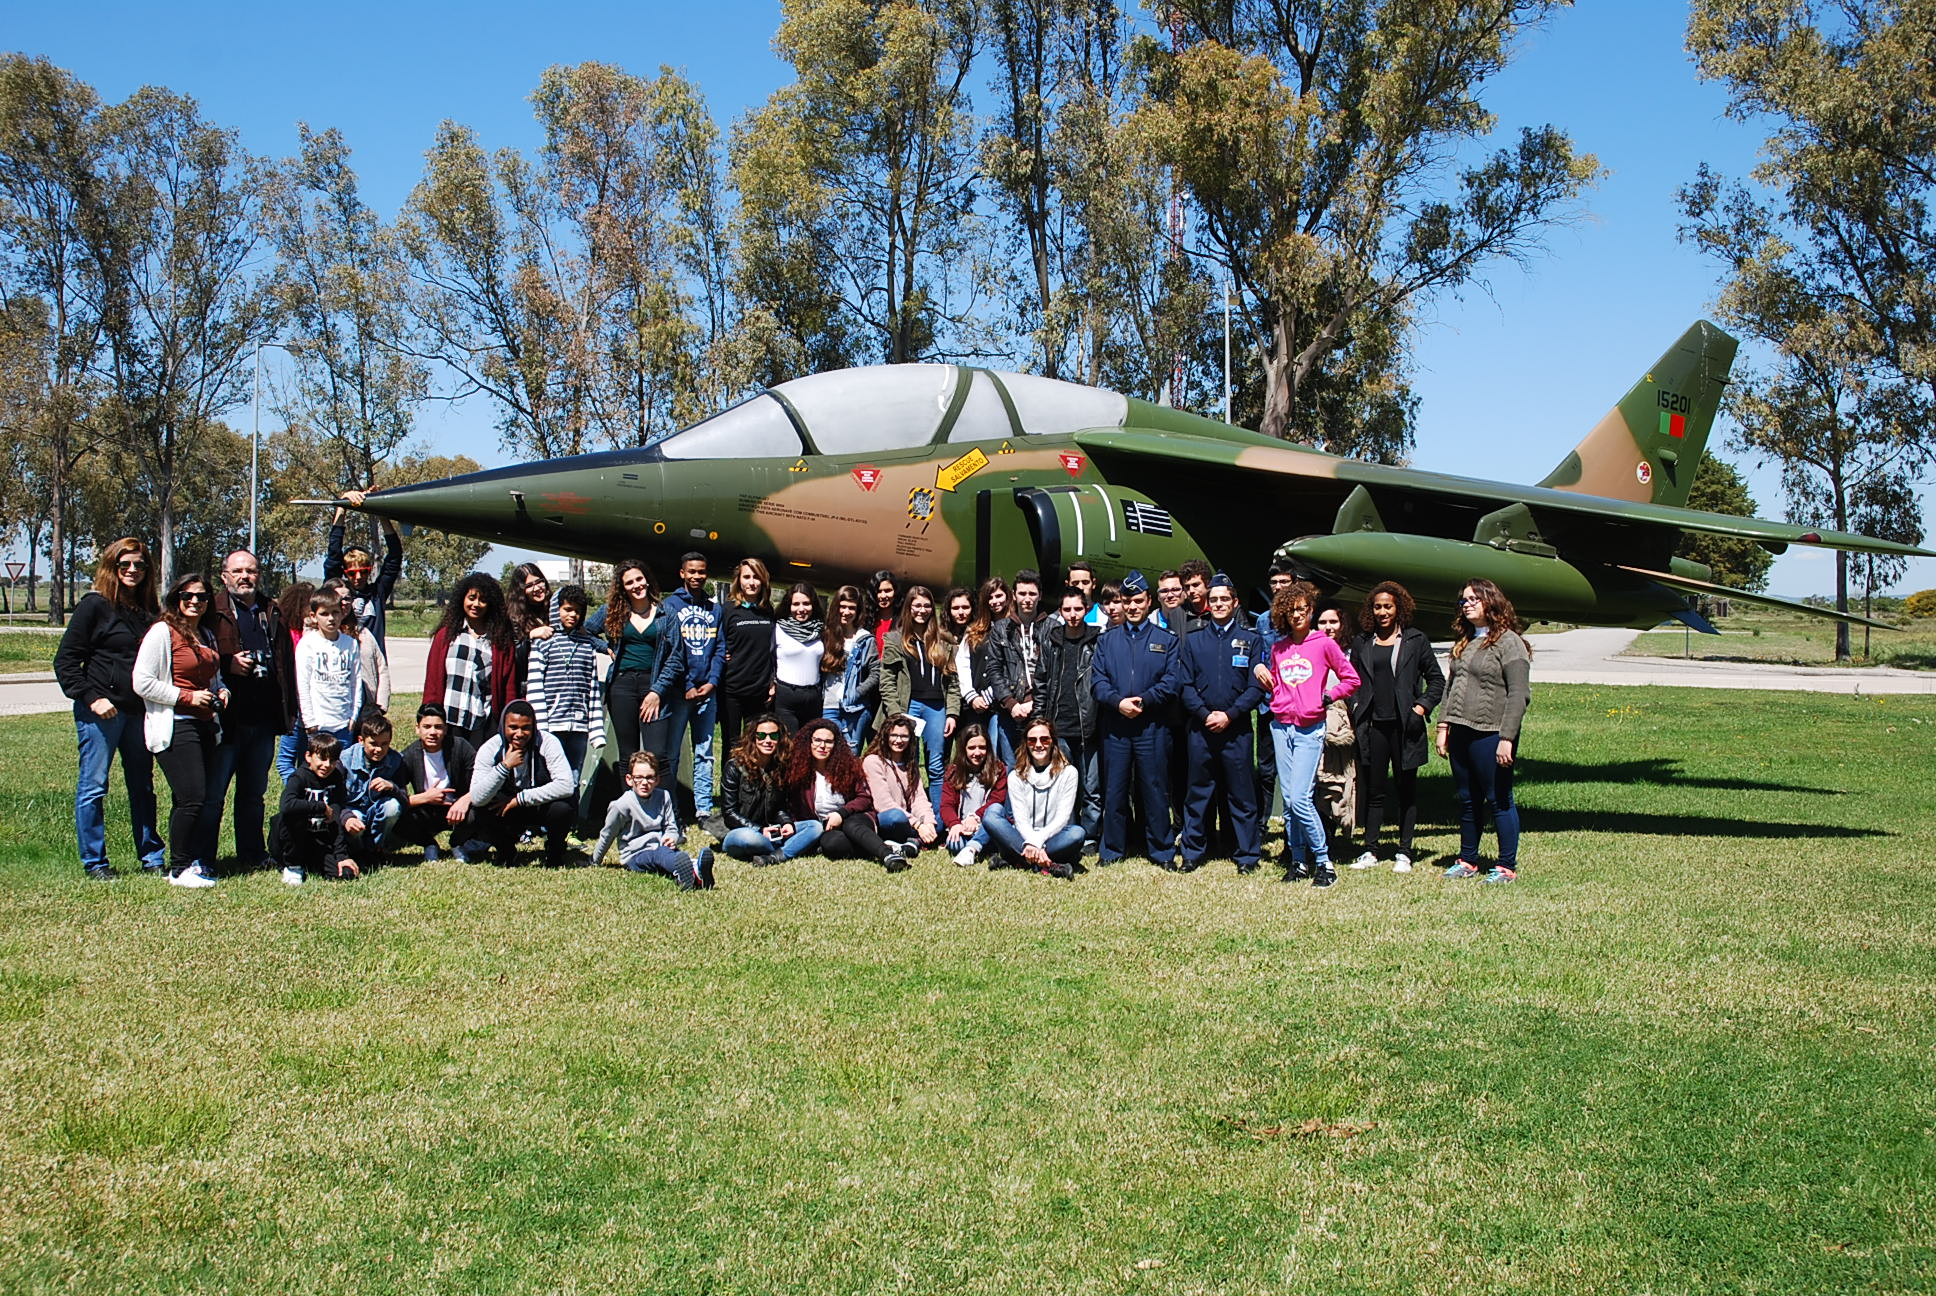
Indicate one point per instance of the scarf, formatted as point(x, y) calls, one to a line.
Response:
point(802, 632)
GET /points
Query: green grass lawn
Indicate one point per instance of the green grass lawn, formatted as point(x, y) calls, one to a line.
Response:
point(1692, 1050)
point(24, 651)
point(1793, 639)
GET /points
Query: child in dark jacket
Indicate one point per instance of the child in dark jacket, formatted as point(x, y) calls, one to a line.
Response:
point(646, 828)
point(310, 831)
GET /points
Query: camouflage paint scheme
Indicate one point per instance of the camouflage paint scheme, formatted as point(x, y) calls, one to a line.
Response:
point(1055, 472)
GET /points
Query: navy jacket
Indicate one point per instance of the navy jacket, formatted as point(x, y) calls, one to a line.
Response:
point(1135, 661)
point(700, 653)
point(372, 598)
point(1216, 672)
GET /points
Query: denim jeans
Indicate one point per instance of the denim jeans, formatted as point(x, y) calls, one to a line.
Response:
point(702, 717)
point(806, 832)
point(1064, 844)
point(1479, 779)
point(931, 725)
point(243, 757)
point(289, 749)
point(958, 839)
point(747, 843)
point(1299, 748)
point(99, 740)
point(575, 746)
point(1087, 758)
point(852, 724)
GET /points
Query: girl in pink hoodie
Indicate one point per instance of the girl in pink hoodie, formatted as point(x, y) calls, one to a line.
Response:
point(1300, 662)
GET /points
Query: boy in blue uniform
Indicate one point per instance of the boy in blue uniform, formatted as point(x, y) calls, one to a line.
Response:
point(1135, 674)
point(1219, 694)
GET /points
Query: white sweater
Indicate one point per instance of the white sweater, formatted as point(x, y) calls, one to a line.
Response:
point(1041, 804)
point(328, 680)
point(154, 684)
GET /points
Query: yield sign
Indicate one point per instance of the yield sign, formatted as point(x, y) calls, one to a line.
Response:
point(14, 570)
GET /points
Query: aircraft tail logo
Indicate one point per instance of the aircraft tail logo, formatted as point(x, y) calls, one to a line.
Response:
point(1648, 446)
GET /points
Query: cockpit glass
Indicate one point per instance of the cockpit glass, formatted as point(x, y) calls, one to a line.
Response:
point(753, 429)
point(880, 407)
point(1048, 406)
point(983, 416)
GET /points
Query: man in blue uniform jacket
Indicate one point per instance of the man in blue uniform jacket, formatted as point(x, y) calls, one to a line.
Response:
point(1135, 673)
point(1219, 694)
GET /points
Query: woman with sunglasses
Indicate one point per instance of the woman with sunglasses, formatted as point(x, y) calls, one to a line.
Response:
point(827, 795)
point(95, 666)
point(1479, 729)
point(176, 673)
point(1036, 828)
point(752, 797)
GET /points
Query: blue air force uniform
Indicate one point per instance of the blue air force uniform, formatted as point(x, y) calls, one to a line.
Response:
point(1136, 661)
point(1215, 675)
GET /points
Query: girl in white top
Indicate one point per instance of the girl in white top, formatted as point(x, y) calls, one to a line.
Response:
point(1037, 828)
point(797, 649)
point(329, 667)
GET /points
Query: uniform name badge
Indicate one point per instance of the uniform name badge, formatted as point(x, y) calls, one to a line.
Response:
point(1240, 660)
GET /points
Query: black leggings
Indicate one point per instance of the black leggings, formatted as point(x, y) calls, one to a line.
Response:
point(855, 836)
point(737, 709)
point(188, 765)
point(1382, 746)
point(622, 703)
point(797, 704)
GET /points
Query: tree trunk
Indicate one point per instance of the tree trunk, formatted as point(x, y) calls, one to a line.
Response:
point(1841, 605)
point(1278, 380)
point(57, 603)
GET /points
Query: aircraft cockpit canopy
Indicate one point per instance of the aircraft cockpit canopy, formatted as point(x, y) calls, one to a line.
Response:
point(884, 408)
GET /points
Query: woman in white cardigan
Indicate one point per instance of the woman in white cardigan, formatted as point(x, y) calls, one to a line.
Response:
point(176, 676)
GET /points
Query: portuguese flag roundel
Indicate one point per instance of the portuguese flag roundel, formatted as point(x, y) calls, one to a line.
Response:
point(1673, 425)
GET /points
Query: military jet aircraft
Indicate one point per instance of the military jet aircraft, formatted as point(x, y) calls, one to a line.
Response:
point(945, 474)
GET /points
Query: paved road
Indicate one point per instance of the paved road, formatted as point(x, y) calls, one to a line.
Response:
point(1570, 657)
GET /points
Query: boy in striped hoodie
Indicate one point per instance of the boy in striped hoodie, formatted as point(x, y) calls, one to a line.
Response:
point(562, 684)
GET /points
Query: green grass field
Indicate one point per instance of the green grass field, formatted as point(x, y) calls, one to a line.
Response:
point(1792, 639)
point(1692, 1050)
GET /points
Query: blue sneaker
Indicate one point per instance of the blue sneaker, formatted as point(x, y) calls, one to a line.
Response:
point(1500, 874)
point(1461, 869)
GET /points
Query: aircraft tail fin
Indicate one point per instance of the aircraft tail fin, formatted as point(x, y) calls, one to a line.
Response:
point(1647, 447)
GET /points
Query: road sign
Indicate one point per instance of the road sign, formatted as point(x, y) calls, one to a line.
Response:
point(15, 570)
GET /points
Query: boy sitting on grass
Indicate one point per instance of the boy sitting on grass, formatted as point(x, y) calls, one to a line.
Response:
point(373, 777)
point(309, 832)
point(646, 827)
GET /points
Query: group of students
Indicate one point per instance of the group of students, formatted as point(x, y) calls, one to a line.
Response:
point(1114, 719)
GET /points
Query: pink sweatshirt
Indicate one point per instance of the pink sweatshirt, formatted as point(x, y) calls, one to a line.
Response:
point(1300, 669)
point(892, 791)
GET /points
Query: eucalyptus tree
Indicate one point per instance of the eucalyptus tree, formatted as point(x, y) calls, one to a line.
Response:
point(1320, 143)
point(1829, 249)
point(858, 236)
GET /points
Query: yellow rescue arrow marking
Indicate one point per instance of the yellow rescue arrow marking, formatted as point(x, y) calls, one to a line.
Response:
point(960, 470)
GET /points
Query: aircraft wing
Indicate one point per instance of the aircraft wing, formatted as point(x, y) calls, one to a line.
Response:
point(1689, 585)
point(1162, 451)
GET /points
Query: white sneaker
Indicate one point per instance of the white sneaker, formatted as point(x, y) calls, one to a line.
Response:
point(1365, 861)
point(194, 877)
point(292, 876)
point(1401, 863)
point(967, 855)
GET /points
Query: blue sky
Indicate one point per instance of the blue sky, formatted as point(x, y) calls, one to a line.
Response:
point(1507, 380)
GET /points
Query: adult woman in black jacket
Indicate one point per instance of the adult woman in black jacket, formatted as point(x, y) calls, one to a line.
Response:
point(95, 666)
point(1392, 715)
point(752, 794)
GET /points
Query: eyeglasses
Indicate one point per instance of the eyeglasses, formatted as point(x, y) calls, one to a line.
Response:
point(1470, 598)
point(1040, 742)
point(132, 564)
point(766, 735)
point(192, 596)
point(357, 571)
point(822, 740)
